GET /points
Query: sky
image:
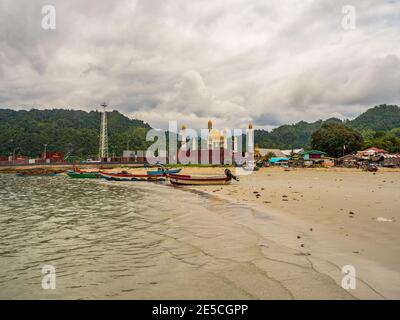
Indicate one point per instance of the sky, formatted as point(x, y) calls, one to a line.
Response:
point(233, 61)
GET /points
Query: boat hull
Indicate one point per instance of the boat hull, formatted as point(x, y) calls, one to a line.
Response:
point(83, 175)
point(130, 177)
point(161, 172)
point(37, 174)
point(198, 181)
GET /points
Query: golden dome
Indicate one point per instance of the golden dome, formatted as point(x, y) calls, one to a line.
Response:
point(209, 124)
point(183, 127)
point(250, 126)
point(215, 134)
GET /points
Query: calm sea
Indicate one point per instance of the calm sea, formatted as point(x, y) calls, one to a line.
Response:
point(118, 240)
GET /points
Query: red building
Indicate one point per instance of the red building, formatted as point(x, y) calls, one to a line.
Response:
point(52, 156)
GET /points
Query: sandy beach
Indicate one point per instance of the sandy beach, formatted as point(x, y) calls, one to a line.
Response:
point(329, 218)
point(332, 217)
point(336, 216)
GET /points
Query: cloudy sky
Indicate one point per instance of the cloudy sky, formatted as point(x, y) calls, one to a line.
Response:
point(272, 62)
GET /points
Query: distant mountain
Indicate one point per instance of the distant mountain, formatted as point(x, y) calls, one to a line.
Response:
point(71, 131)
point(379, 118)
point(290, 136)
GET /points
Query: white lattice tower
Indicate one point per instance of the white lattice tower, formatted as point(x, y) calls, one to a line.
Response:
point(103, 146)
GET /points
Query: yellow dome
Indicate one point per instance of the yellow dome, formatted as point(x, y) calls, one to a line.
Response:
point(215, 134)
point(183, 127)
point(250, 125)
point(209, 124)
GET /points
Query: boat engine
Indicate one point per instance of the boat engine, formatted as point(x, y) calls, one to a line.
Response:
point(229, 174)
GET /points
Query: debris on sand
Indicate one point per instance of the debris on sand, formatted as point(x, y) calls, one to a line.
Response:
point(302, 254)
point(298, 237)
point(382, 219)
point(351, 212)
point(311, 229)
point(302, 245)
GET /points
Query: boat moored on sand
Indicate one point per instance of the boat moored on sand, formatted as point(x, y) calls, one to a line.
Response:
point(83, 174)
point(32, 174)
point(180, 179)
point(164, 171)
point(125, 176)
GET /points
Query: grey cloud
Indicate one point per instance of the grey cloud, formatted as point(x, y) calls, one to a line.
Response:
point(235, 60)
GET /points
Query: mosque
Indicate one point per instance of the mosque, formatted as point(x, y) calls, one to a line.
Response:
point(218, 139)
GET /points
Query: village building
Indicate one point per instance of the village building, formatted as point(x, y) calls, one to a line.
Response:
point(371, 152)
point(315, 157)
point(262, 153)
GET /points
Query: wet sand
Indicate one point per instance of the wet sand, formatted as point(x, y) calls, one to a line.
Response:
point(319, 220)
point(337, 216)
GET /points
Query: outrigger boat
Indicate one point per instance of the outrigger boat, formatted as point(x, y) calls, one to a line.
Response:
point(30, 174)
point(78, 174)
point(164, 171)
point(180, 179)
point(125, 176)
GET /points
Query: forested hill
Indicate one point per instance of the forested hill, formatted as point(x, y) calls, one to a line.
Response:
point(77, 132)
point(379, 118)
point(71, 131)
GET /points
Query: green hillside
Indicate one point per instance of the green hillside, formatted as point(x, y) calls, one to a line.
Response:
point(77, 132)
point(370, 124)
point(71, 131)
point(288, 136)
point(380, 118)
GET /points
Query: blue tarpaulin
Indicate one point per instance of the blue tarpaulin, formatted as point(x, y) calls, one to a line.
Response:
point(276, 160)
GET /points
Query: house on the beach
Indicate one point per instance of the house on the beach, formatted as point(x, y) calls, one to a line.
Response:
point(315, 157)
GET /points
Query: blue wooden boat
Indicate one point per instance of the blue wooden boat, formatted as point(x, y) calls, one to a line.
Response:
point(163, 171)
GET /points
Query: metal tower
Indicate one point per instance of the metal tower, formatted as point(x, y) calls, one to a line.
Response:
point(103, 147)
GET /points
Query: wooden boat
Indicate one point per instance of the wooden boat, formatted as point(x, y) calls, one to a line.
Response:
point(372, 168)
point(180, 179)
point(83, 175)
point(122, 176)
point(164, 171)
point(30, 174)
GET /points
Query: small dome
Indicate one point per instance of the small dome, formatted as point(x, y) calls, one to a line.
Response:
point(215, 134)
point(183, 127)
point(250, 126)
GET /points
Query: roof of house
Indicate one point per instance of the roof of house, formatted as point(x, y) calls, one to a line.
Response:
point(313, 152)
point(290, 151)
point(276, 152)
point(375, 149)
